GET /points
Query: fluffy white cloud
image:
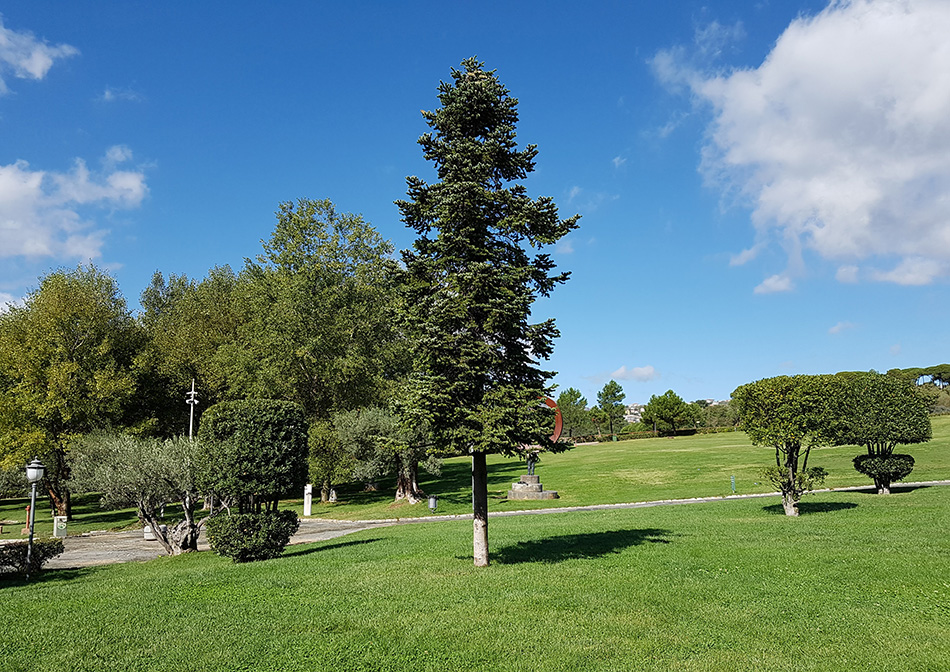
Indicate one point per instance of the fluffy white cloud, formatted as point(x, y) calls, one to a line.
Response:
point(775, 283)
point(638, 373)
point(840, 139)
point(41, 212)
point(27, 57)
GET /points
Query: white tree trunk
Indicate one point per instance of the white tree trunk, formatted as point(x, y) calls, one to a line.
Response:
point(480, 509)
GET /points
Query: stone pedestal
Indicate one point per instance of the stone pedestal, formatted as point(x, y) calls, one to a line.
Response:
point(529, 487)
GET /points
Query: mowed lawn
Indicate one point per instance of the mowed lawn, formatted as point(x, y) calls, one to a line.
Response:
point(858, 582)
point(605, 473)
point(629, 471)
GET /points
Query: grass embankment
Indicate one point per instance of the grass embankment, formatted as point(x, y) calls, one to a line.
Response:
point(606, 473)
point(857, 582)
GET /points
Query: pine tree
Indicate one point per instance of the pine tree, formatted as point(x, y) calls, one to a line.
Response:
point(472, 282)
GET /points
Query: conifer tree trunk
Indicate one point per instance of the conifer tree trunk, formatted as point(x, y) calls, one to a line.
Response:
point(480, 508)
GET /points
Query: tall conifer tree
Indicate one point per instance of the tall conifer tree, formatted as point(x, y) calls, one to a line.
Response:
point(472, 280)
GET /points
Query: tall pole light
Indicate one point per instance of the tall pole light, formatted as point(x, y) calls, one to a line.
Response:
point(191, 400)
point(34, 474)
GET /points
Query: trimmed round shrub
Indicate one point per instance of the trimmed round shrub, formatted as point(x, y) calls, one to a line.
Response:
point(246, 537)
point(13, 555)
point(885, 468)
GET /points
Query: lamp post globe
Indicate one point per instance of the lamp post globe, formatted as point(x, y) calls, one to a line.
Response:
point(34, 474)
point(35, 471)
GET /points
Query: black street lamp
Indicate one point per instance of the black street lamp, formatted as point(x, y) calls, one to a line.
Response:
point(34, 474)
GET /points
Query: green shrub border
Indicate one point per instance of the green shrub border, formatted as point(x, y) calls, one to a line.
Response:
point(13, 555)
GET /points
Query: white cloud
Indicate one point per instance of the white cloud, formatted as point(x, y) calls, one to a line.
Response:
point(775, 283)
point(27, 57)
point(847, 274)
point(840, 139)
point(111, 95)
point(841, 326)
point(7, 300)
point(913, 271)
point(42, 213)
point(618, 161)
point(744, 256)
point(640, 374)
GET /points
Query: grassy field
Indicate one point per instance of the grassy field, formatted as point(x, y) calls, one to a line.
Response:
point(858, 582)
point(606, 473)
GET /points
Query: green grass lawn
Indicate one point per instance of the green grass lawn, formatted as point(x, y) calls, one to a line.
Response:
point(858, 582)
point(629, 471)
point(606, 473)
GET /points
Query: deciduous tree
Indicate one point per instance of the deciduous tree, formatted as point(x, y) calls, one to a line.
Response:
point(789, 414)
point(471, 282)
point(66, 369)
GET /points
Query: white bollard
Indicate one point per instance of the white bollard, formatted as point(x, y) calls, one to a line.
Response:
point(308, 499)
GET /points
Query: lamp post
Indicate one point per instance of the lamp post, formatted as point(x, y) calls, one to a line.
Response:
point(191, 400)
point(34, 474)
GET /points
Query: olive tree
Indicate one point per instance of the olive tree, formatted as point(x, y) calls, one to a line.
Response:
point(146, 473)
point(789, 414)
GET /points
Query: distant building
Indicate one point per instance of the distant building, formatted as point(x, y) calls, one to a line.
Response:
point(634, 412)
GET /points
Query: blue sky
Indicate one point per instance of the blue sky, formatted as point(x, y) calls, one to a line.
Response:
point(764, 185)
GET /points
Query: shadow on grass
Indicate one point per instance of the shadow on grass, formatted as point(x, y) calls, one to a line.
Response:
point(808, 508)
point(47, 576)
point(577, 546)
point(310, 548)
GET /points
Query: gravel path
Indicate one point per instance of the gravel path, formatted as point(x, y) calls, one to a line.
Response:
point(104, 548)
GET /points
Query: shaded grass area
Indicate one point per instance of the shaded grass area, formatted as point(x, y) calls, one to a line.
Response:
point(857, 582)
point(87, 514)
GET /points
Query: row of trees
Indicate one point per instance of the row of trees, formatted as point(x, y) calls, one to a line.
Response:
point(666, 413)
point(794, 414)
point(390, 363)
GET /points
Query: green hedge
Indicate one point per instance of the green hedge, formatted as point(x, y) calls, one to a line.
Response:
point(246, 537)
point(253, 449)
point(13, 555)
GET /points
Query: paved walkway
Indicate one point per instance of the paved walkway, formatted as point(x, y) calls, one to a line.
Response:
point(103, 548)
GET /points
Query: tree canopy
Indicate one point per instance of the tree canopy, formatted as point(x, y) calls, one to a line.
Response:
point(878, 412)
point(67, 367)
point(788, 414)
point(472, 282)
point(610, 400)
point(668, 411)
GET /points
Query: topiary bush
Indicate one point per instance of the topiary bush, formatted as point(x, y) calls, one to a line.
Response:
point(246, 537)
point(13, 555)
point(884, 469)
point(253, 452)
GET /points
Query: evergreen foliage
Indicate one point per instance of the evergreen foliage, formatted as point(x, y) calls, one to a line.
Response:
point(247, 537)
point(789, 414)
point(472, 282)
point(610, 401)
point(254, 451)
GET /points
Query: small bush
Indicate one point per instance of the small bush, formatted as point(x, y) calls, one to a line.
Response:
point(246, 537)
point(13, 555)
point(884, 468)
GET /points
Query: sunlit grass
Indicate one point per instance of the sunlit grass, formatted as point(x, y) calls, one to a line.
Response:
point(857, 582)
